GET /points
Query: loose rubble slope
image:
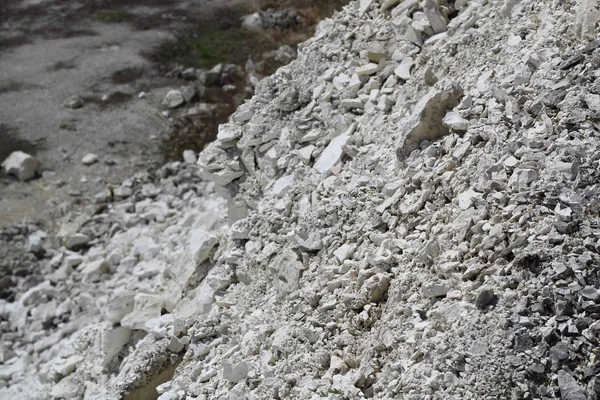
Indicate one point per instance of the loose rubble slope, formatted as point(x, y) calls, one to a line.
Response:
point(412, 213)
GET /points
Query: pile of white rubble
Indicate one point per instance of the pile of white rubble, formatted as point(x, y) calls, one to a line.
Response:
point(410, 211)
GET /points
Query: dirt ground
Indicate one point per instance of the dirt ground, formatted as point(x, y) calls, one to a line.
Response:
point(107, 52)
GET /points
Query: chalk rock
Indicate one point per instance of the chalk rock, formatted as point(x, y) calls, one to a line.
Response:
point(334, 150)
point(308, 239)
point(593, 102)
point(373, 290)
point(368, 69)
point(586, 19)
point(89, 159)
point(201, 244)
point(282, 185)
point(234, 373)
point(173, 99)
point(113, 341)
point(426, 120)
point(455, 122)
point(242, 115)
point(21, 165)
point(34, 243)
point(522, 178)
point(435, 17)
point(119, 305)
point(403, 70)
point(344, 252)
point(95, 269)
point(433, 290)
point(190, 157)
point(146, 307)
point(286, 267)
point(76, 240)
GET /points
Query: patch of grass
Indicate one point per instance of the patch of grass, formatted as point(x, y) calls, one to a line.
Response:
point(227, 45)
point(112, 16)
point(67, 127)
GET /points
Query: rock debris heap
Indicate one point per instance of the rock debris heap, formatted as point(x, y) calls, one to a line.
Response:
point(412, 212)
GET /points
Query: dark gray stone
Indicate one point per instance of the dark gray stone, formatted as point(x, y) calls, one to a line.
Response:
point(569, 389)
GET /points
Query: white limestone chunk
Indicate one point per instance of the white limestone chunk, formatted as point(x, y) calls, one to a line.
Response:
point(89, 159)
point(334, 150)
point(455, 122)
point(593, 102)
point(200, 245)
point(282, 185)
point(305, 153)
point(287, 270)
point(95, 269)
point(21, 165)
point(368, 69)
point(146, 307)
point(425, 122)
point(235, 373)
point(76, 240)
point(113, 341)
point(403, 69)
point(173, 99)
point(344, 252)
point(433, 290)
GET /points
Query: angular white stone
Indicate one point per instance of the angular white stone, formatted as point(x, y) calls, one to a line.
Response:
point(467, 199)
point(95, 269)
point(173, 99)
point(201, 244)
point(368, 69)
point(425, 122)
point(113, 341)
point(593, 102)
point(305, 153)
point(455, 122)
point(435, 17)
point(521, 178)
point(146, 307)
point(352, 103)
point(235, 373)
point(282, 185)
point(21, 165)
point(403, 70)
point(364, 6)
point(433, 290)
point(344, 252)
point(76, 240)
point(287, 269)
point(243, 114)
point(511, 162)
point(66, 366)
point(334, 150)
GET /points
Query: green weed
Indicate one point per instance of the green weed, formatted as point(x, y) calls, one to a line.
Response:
point(67, 127)
point(113, 16)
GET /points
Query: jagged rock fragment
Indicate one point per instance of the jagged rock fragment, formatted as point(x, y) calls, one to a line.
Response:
point(569, 389)
point(333, 152)
point(173, 99)
point(426, 120)
point(455, 122)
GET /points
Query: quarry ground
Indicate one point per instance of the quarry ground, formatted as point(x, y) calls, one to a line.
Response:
point(107, 52)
